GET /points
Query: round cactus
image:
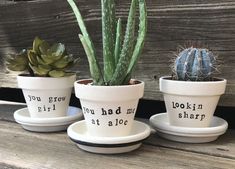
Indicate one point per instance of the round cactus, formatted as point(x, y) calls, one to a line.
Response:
point(195, 64)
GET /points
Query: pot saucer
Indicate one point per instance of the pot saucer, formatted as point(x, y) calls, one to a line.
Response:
point(108, 145)
point(187, 134)
point(47, 124)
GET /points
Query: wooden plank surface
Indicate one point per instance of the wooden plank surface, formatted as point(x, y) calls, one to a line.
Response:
point(170, 24)
point(224, 146)
point(23, 149)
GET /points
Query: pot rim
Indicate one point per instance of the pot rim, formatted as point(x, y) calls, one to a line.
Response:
point(89, 81)
point(108, 93)
point(197, 88)
point(26, 75)
point(47, 83)
point(215, 80)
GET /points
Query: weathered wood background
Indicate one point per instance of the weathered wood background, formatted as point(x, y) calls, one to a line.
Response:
point(170, 24)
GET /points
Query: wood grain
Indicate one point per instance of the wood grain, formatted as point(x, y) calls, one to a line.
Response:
point(170, 24)
point(34, 150)
point(224, 146)
point(24, 149)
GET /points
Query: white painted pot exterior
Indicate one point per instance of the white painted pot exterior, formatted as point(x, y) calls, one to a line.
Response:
point(109, 111)
point(191, 104)
point(46, 97)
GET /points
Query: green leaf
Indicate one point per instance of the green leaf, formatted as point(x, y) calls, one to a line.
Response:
point(108, 31)
point(17, 62)
point(118, 41)
point(43, 48)
point(62, 63)
point(88, 45)
point(56, 73)
point(126, 53)
point(36, 43)
point(140, 39)
point(56, 50)
point(94, 69)
point(32, 56)
point(46, 59)
point(41, 70)
point(40, 61)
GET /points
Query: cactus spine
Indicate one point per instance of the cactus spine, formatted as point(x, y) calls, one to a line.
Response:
point(195, 64)
point(119, 57)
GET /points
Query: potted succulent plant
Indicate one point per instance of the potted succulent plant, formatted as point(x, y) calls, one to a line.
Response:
point(191, 94)
point(47, 85)
point(109, 100)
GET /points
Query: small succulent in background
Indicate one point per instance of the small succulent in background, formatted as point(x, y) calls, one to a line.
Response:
point(42, 60)
point(195, 64)
point(18, 62)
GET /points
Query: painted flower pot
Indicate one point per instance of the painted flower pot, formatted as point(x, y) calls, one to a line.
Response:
point(191, 104)
point(109, 111)
point(46, 96)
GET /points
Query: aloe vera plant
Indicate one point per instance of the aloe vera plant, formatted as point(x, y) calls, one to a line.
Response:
point(195, 64)
point(42, 60)
point(120, 52)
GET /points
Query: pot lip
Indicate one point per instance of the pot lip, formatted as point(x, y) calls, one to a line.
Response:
point(192, 88)
point(216, 80)
point(45, 83)
point(85, 91)
point(25, 75)
point(88, 82)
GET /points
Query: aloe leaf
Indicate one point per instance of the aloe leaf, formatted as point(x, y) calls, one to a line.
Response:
point(117, 49)
point(94, 69)
point(127, 48)
point(87, 43)
point(140, 39)
point(108, 31)
point(82, 26)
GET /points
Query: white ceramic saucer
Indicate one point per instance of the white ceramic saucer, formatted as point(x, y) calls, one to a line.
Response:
point(186, 134)
point(108, 145)
point(47, 124)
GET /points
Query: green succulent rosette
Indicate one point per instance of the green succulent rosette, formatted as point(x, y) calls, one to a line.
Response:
point(42, 59)
point(17, 62)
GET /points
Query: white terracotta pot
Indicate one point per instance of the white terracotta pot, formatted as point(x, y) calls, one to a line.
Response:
point(108, 110)
point(46, 96)
point(191, 104)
